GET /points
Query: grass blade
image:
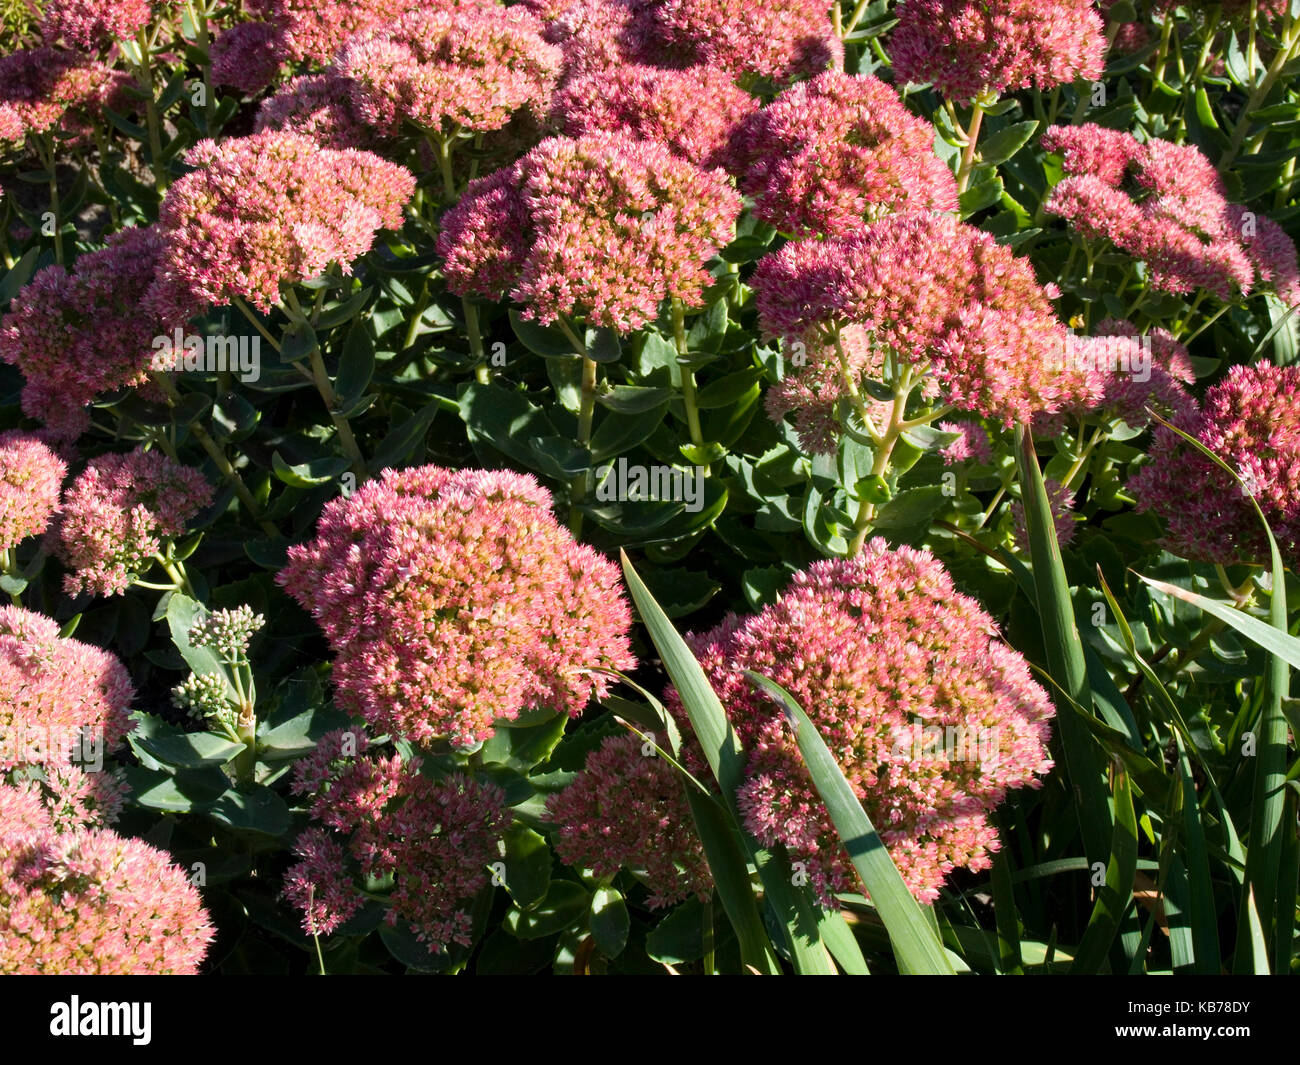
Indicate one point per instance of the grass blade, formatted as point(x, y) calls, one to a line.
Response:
point(1116, 894)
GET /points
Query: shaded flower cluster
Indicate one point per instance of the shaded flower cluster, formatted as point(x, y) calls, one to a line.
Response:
point(116, 512)
point(318, 106)
point(316, 29)
point(1251, 420)
point(943, 295)
point(79, 334)
point(383, 818)
point(603, 226)
point(246, 56)
point(467, 68)
point(1166, 204)
point(597, 35)
point(626, 810)
point(272, 208)
point(88, 24)
point(31, 478)
point(694, 111)
point(454, 598)
point(90, 902)
point(44, 89)
point(965, 48)
point(874, 648)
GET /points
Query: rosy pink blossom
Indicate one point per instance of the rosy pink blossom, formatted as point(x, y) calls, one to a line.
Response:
point(316, 29)
point(971, 445)
point(273, 208)
point(597, 35)
point(318, 106)
point(627, 810)
point(602, 226)
point(931, 716)
point(31, 478)
point(47, 89)
point(88, 24)
point(829, 153)
point(115, 514)
point(968, 47)
point(246, 56)
point(454, 598)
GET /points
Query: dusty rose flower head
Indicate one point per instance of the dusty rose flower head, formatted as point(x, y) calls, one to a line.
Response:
point(1061, 500)
point(247, 56)
point(627, 811)
point(454, 598)
point(829, 153)
point(31, 477)
point(90, 902)
point(603, 226)
point(470, 67)
point(776, 41)
point(931, 716)
point(79, 334)
point(1177, 218)
point(115, 513)
point(597, 35)
point(54, 691)
point(317, 29)
point(693, 111)
point(945, 296)
point(435, 838)
point(318, 106)
point(273, 208)
point(79, 797)
point(971, 446)
point(88, 24)
point(43, 89)
point(1251, 420)
point(968, 47)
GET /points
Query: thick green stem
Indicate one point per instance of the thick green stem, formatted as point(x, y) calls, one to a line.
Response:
point(341, 424)
point(688, 375)
point(884, 450)
point(968, 152)
point(1287, 52)
point(586, 415)
point(475, 342)
point(152, 120)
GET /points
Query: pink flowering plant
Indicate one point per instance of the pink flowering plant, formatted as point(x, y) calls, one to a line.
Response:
point(649, 486)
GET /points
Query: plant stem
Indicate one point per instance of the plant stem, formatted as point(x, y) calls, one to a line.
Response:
point(341, 424)
point(968, 152)
point(855, 394)
point(688, 375)
point(1285, 53)
point(151, 113)
point(580, 484)
point(866, 509)
point(475, 341)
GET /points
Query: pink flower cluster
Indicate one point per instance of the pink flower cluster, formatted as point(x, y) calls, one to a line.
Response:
point(628, 811)
point(972, 445)
point(44, 89)
point(53, 688)
point(90, 902)
point(1251, 420)
point(470, 67)
point(776, 41)
point(269, 209)
point(880, 650)
point(943, 295)
point(1180, 222)
point(435, 838)
point(318, 106)
point(1122, 394)
point(316, 29)
point(115, 513)
point(454, 598)
point(88, 24)
point(246, 56)
point(828, 153)
point(31, 477)
point(968, 47)
point(78, 335)
point(603, 226)
point(597, 35)
point(694, 111)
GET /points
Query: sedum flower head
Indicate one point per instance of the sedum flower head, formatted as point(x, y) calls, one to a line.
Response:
point(49, 89)
point(227, 631)
point(204, 696)
point(1251, 420)
point(1166, 204)
point(55, 691)
point(247, 56)
point(944, 295)
point(273, 208)
point(694, 111)
point(454, 598)
point(318, 106)
point(79, 334)
point(31, 477)
point(877, 649)
point(627, 810)
point(603, 226)
point(90, 902)
point(383, 818)
point(89, 24)
point(115, 513)
point(829, 153)
point(972, 444)
point(776, 41)
point(969, 47)
point(596, 35)
point(316, 29)
point(469, 67)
